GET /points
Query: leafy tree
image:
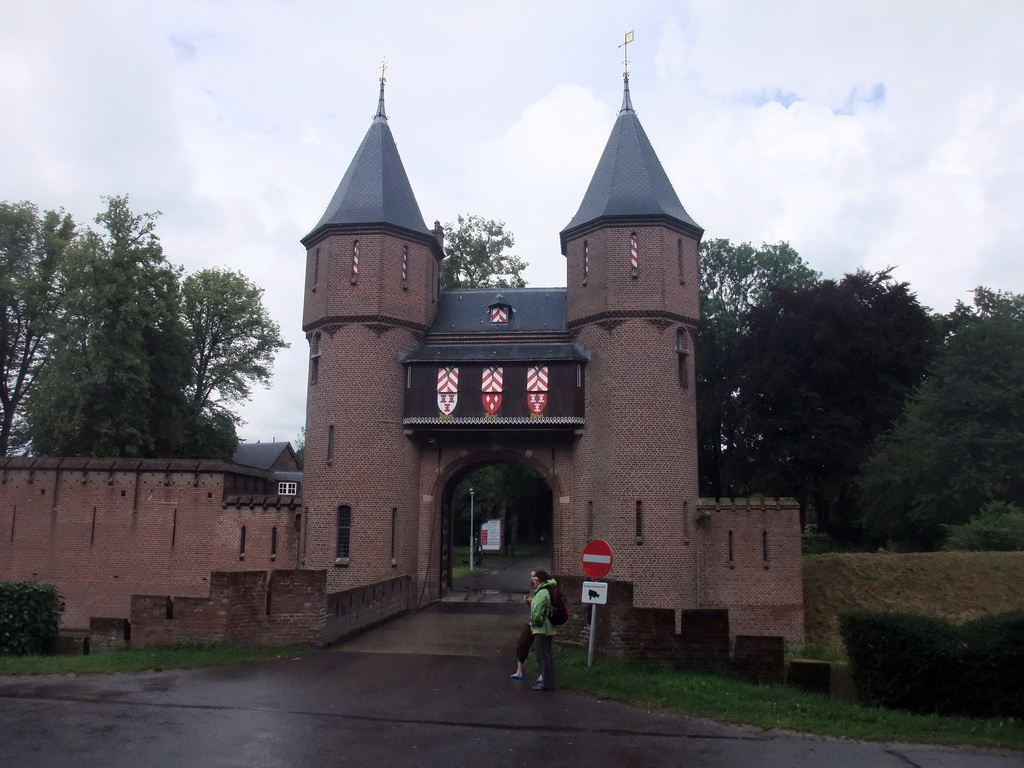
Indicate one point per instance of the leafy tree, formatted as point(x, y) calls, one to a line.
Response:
point(116, 383)
point(960, 441)
point(999, 527)
point(476, 255)
point(300, 447)
point(734, 279)
point(233, 341)
point(826, 370)
point(32, 252)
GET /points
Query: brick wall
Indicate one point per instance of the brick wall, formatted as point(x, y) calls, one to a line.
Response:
point(246, 608)
point(751, 564)
point(103, 530)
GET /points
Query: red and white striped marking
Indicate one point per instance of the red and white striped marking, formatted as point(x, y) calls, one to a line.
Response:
point(447, 380)
point(492, 380)
point(634, 260)
point(355, 258)
point(499, 314)
point(537, 379)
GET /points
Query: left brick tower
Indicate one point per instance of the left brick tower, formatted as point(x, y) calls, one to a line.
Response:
point(371, 289)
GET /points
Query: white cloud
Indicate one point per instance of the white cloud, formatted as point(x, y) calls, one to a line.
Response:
point(866, 134)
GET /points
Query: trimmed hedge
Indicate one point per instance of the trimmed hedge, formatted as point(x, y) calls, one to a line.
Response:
point(29, 617)
point(924, 664)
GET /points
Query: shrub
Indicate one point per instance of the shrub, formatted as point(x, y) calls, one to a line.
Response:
point(924, 664)
point(29, 617)
point(813, 542)
point(998, 527)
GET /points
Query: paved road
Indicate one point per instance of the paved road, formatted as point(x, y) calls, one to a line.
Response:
point(430, 689)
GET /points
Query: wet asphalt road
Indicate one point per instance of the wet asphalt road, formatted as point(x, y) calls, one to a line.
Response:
point(430, 689)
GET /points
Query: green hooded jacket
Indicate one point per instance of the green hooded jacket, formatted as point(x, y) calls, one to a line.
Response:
point(540, 609)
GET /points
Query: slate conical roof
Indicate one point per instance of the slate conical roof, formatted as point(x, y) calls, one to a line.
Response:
point(629, 181)
point(375, 189)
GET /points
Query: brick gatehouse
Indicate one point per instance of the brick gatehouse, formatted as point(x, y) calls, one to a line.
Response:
point(410, 388)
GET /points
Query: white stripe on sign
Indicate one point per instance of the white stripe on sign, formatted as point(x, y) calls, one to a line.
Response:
point(597, 558)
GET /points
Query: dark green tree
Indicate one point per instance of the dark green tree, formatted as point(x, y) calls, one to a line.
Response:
point(960, 441)
point(825, 371)
point(734, 279)
point(115, 385)
point(476, 255)
point(233, 343)
point(32, 254)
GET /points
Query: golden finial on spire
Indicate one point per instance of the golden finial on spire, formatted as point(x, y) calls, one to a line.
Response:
point(625, 44)
point(383, 69)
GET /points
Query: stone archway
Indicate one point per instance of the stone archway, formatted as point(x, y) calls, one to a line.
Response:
point(449, 465)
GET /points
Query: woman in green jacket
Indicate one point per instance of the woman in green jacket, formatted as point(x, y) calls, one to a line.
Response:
point(542, 628)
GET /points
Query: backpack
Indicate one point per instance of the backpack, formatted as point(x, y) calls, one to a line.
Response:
point(558, 614)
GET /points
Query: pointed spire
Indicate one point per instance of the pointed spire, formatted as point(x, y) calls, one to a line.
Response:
point(627, 105)
point(381, 114)
point(629, 182)
point(375, 189)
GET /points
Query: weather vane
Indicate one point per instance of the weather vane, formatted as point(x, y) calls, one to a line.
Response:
point(625, 45)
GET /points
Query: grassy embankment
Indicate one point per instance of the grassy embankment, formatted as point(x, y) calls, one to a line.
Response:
point(956, 586)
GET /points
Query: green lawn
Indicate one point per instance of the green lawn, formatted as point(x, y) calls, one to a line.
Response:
point(773, 706)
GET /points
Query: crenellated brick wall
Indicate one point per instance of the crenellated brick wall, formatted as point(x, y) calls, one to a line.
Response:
point(103, 530)
point(246, 608)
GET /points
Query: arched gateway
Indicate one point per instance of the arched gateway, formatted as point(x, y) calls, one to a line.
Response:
point(592, 385)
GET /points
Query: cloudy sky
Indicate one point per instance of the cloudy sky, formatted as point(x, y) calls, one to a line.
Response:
point(866, 134)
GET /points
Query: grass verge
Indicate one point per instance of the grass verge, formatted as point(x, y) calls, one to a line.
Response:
point(143, 659)
point(772, 706)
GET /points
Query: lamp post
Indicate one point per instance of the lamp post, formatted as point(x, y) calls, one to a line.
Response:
point(472, 533)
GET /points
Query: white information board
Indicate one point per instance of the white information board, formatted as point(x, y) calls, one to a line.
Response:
point(595, 592)
point(490, 536)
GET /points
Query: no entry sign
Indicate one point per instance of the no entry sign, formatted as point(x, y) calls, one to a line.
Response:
point(597, 558)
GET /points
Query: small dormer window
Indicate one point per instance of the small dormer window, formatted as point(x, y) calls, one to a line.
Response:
point(500, 309)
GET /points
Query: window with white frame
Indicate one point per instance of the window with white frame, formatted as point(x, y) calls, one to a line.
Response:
point(287, 489)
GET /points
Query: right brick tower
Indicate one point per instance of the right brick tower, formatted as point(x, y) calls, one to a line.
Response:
point(633, 302)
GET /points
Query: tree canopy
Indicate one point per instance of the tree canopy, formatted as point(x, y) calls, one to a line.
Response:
point(32, 262)
point(960, 440)
point(142, 363)
point(734, 279)
point(476, 255)
point(233, 339)
point(825, 371)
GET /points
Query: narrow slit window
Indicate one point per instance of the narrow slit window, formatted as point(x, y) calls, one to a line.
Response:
point(764, 547)
point(682, 264)
point(590, 520)
point(343, 549)
point(394, 523)
point(241, 541)
point(273, 541)
point(316, 266)
point(683, 353)
point(732, 559)
point(639, 519)
point(314, 358)
point(330, 442)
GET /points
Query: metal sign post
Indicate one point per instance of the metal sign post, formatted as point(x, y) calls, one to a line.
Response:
point(595, 593)
point(597, 561)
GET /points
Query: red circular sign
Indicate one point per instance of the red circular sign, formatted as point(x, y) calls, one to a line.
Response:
point(597, 558)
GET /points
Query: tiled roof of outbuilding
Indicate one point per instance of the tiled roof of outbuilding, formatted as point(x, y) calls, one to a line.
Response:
point(375, 189)
point(262, 455)
point(629, 180)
